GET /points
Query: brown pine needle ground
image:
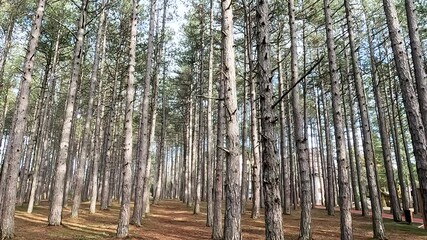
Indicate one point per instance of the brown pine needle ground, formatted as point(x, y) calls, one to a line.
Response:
point(175, 221)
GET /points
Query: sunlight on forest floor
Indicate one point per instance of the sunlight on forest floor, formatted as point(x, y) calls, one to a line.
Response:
point(173, 220)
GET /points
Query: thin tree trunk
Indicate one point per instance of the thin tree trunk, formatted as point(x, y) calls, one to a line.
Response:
point(123, 225)
point(12, 158)
point(245, 172)
point(256, 167)
point(209, 136)
point(142, 184)
point(99, 133)
point(55, 212)
point(343, 179)
point(417, 59)
point(232, 227)
point(350, 148)
point(284, 161)
point(330, 196)
point(160, 153)
point(384, 134)
point(408, 160)
point(412, 106)
point(87, 133)
point(217, 225)
point(393, 119)
point(4, 88)
point(299, 134)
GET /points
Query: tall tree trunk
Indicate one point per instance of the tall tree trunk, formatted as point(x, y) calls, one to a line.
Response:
point(256, 166)
point(408, 157)
point(245, 172)
point(4, 88)
point(417, 59)
point(55, 212)
point(392, 120)
point(7, 207)
point(232, 228)
point(270, 163)
point(283, 159)
point(343, 180)
point(350, 149)
point(321, 145)
point(217, 227)
point(198, 127)
point(87, 131)
point(330, 196)
point(99, 133)
point(123, 224)
point(142, 182)
point(108, 142)
point(384, 129)
point(209, 135)
point(42, 152)
point(300, 139)
point(160, 51)
point(160, 153)
point(35, 130)
point(412, 106)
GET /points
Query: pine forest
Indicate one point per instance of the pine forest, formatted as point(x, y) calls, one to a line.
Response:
point(203, 119)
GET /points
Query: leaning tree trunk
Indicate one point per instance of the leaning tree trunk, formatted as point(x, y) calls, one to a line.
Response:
point(55, 212)
point(33, 140)
point(412, 106)
point(270, 163)
point(232, 228)
point(7, 207)
point(343, 179)
point(4, 88)
point(300, 139)
point(123, 225)
point(417, 59)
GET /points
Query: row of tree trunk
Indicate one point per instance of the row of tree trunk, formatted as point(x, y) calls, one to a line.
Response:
point(95, 156)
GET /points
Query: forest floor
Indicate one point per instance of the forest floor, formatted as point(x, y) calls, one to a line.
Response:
point(175, 221)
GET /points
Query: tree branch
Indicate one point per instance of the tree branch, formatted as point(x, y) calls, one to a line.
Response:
point(299, 80)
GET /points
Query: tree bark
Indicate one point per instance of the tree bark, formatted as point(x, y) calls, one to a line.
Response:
point(232, 228)
point(412, 106)
point(124, 216)
point(417, 59)
point(343, 179)
point(299, 134)
point(142, 182)
point(217, 226)
point(209, 135)
point(384, 133)
point(270, 163)
point(87, 133)
point(55, 212)
point(12, 158)
point(256, 166)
